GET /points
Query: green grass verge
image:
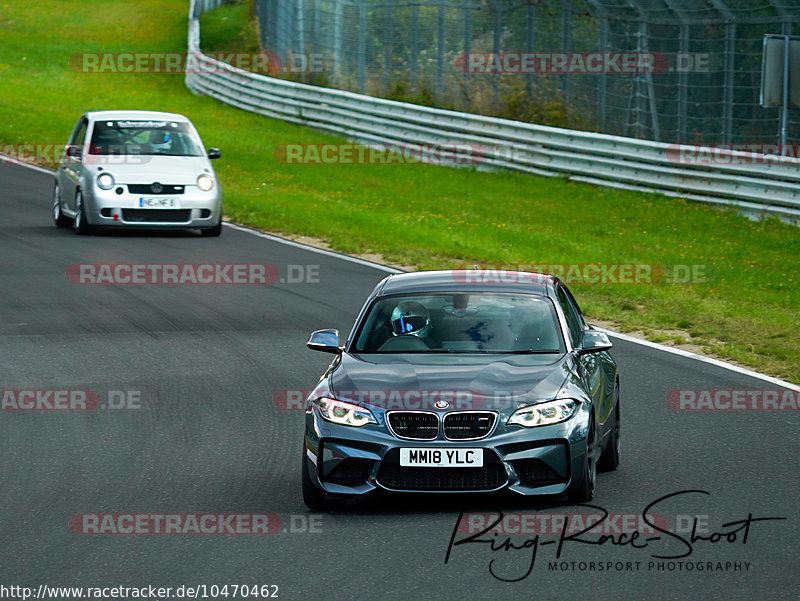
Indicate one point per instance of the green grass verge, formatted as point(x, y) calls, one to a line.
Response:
point(420, 215)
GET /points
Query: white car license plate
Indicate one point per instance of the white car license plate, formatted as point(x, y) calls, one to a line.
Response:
point(422, 457)
point(159, 203)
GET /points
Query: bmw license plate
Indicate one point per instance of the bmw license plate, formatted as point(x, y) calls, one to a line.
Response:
point(159, 203)
point(422, 457)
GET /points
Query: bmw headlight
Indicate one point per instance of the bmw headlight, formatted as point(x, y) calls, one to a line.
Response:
point(205, 182)
point(105, 181)
point(346, 414)
point(544, 414)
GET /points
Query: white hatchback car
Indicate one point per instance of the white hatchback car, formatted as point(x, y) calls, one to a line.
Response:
point(137, 169)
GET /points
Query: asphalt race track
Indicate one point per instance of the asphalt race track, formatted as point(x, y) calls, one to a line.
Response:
point(200, 367)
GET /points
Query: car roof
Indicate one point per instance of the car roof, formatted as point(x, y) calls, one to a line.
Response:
point(138, 115)
point(460, 280)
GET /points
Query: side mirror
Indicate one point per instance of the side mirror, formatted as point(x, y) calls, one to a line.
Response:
point(74, 152)
point(594, 342)
point(326, 341)
point(214, 153)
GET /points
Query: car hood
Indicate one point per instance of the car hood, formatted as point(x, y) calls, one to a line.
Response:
point(148, 169)
point(417, 381)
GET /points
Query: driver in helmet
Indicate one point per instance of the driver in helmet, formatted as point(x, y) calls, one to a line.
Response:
point(410, 318)
point(160, 142)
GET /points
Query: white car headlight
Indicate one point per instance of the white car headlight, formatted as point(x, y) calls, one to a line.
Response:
point(205, 182)
point(544, 414)
point(346, 414)
point(105, 181)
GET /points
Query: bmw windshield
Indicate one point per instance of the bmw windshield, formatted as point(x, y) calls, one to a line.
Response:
point(460, 323)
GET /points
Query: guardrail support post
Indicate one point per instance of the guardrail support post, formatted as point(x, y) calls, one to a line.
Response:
point(497, 30)
point(467, 49)
point(683, 83)
point(362, 46)
point(337, 40)
point(602, 82)
point(440, 40)
point(785, 107)
point(387, 47)
point(566, 41)
point(413, 51)
point(301, 31)
point(530, 42)
point(315, 35)
point(730, 55)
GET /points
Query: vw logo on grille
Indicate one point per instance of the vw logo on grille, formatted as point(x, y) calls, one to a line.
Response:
point(441, 404)
point(156, 188)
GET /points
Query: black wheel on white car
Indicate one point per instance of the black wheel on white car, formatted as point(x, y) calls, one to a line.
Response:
point(80, 225)
point(212, 232)
point(60, 219)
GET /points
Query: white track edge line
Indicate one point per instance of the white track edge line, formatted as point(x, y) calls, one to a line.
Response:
point(4, 158)
point(321, 251)
point(387, 269)
point(711, 360)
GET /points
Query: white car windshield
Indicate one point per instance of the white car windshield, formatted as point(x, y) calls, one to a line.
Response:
point(137, 137)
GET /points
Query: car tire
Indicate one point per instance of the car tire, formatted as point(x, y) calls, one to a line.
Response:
point(583, 491)
point(609, 460)
point(60, 219)
point(79, 224)
point(212, 232)
point(313, 496)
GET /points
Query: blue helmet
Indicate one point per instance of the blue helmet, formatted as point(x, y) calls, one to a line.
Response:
point(410, 317)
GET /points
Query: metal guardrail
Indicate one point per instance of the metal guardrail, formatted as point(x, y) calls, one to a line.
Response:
point(753, 183)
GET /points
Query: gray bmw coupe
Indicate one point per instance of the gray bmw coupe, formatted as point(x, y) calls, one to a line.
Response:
point(463, 381)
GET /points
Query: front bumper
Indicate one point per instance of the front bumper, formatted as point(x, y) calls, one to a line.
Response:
point(346, 460)
point(195, 209)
